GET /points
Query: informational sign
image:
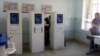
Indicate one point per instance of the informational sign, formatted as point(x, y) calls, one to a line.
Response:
point(59, 18)
point(38, 30)
point(47, 9)
point(30, 7)
point(14, 18)
point(27, 8)
point(38, 18)
point(10, 6)
point(13, 6)
point(6, 6)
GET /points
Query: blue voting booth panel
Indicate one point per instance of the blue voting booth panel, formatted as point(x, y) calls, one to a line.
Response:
point(38, 18)
point(59, 18)
point(3, 39)
point(14, 18)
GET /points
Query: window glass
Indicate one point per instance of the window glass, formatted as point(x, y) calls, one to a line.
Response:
point(94, 10)
point(99, 1)
point(95, 1)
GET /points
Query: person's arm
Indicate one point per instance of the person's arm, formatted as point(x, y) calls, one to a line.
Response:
point(94, 24)
point(46, 24)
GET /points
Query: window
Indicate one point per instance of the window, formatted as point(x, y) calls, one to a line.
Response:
point(90, 7)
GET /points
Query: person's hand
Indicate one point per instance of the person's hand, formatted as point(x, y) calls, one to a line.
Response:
point(46, 24)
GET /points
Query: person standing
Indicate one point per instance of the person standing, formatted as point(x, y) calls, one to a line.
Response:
point(95, 30)
point(47, 30)
point(95, 25)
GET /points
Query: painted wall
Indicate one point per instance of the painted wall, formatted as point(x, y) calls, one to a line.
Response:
point(64, 6)
point(79, 33)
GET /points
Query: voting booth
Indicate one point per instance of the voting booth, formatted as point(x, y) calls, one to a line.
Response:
point(14, 29)
point(36, 32)
point(57, 31)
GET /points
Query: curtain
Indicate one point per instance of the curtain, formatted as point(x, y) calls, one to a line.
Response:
point(89, 9)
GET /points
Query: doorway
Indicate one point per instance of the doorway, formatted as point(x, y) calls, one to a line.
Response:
point(25, 31)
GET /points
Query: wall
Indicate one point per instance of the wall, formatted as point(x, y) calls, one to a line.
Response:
point(79, 33)
point(64, 6)
point(69, 22)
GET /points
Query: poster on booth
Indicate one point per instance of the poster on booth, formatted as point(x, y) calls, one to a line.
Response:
point(10, 6)
point(26, 8)
point(47, 9)
point(59, 18)
point(38, 18)
point(6, 6)
point(14, 18)
point(13, 6)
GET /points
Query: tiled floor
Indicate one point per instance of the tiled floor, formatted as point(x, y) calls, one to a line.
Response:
point(72, 49)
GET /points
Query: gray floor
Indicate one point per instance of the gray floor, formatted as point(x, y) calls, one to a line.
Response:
point(72, 49)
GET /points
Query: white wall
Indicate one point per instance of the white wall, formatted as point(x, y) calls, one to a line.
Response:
point(58, 5)
point(80, 34)
point(64, 6)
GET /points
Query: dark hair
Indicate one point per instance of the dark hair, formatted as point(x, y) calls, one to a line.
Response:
point(97, 13)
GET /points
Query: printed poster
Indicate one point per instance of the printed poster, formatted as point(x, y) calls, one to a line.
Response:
point(47, 9)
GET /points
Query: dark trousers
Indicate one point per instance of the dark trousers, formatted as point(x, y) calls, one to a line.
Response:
point(47, 38)
point(93, 46)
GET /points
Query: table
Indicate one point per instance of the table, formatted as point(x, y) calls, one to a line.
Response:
point(96, 40)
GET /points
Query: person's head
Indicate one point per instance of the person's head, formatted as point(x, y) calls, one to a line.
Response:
point(97, 15)
point(48, 18)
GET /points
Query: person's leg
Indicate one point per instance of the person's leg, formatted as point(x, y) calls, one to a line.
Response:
point(47, 38)
point(92, 46)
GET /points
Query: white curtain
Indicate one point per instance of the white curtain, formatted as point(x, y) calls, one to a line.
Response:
point(89, 9)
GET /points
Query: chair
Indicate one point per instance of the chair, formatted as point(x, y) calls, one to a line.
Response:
point(11, 49)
